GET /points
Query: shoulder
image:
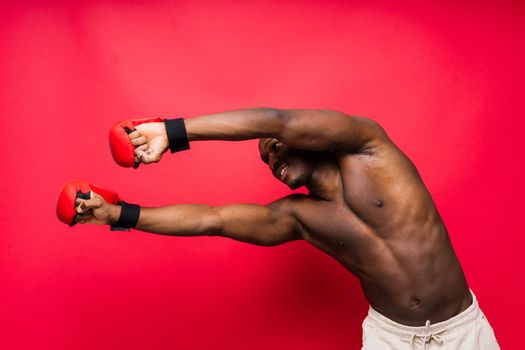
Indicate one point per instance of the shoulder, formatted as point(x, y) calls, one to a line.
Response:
point(374, 138)
point(376, 134)
point(370, 132)
point(293, 206)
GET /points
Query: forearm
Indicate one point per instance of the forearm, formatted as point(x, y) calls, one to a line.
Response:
point(179, 220)
point(236, 125)
point(249, 223)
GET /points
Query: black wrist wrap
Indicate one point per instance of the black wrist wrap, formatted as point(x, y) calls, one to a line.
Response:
point(129, 216)
point(177, 136)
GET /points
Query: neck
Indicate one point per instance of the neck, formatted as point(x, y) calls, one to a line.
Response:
point(325, 181)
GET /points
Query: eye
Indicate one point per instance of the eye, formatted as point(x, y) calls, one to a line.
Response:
point(275, 146)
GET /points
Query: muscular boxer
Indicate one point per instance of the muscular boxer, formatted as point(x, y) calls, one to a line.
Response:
point(367, 207)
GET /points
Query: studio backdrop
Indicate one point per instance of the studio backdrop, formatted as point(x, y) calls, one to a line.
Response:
point(445, 79)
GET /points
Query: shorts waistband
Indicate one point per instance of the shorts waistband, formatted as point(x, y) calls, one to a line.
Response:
point(469, 315)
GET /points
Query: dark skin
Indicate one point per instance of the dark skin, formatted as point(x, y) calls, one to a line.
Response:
point(367, 206)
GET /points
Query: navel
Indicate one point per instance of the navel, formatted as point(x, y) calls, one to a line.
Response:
point(414, 303)
point(341, 243)
point(378, 203)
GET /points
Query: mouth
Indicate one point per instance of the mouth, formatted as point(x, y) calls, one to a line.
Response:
point(281, 171)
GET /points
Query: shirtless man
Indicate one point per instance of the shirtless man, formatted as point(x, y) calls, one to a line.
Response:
point(367, 207)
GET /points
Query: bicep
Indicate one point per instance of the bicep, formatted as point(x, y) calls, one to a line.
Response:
point(319, 130)
point(257, 224)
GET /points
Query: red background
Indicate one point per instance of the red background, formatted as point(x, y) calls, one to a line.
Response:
point(445, 79)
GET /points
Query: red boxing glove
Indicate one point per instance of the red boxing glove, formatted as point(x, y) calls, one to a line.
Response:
point(122, 149)
point(79, 189)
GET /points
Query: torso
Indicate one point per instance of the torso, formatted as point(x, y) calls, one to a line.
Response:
point(384, 228)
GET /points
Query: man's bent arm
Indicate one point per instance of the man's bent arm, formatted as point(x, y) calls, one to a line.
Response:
point(251, 223)
point(315, 130)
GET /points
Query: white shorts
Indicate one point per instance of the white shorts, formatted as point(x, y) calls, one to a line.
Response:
point(468, 330)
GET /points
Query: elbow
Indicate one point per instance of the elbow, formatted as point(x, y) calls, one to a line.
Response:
point(215, 225)
point(277, 121)
point(279, 115)
point(275, 116)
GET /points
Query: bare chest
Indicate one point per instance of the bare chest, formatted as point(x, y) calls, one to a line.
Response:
point(335, 229)
point(377, 199)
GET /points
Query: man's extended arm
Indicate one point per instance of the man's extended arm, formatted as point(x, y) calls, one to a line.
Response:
point(315, 130)
point(251, 223)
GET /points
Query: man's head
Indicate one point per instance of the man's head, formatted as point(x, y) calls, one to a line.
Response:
point(291, 166)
